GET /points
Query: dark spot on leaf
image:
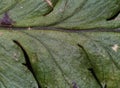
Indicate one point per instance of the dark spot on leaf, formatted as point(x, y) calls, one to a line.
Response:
point(74, 85)
point(6, 20)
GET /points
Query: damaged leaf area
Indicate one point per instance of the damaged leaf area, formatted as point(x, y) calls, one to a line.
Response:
point(69, 14)
point(59, 59)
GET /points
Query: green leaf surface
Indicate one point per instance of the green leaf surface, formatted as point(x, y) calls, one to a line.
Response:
point(72, 14)
point(52, 56)
point(60, 59)
point(12, 73)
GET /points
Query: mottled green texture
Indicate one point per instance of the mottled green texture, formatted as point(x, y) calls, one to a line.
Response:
point(60, 58)
point(72, 14)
